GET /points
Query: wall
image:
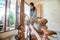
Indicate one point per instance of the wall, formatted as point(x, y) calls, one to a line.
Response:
point(35, 1)
point(51, 11)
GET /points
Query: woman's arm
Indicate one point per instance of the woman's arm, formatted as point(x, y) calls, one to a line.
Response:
point(35, 14)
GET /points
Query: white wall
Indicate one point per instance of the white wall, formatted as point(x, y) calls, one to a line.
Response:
point(51, 11)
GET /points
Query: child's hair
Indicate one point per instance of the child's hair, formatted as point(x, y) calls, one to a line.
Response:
point(43, 21)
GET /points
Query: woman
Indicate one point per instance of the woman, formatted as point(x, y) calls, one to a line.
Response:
point(33, 16)
point(33, 13)
point(33, 19)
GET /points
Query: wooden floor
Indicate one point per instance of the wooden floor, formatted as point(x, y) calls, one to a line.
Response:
point(35, 35)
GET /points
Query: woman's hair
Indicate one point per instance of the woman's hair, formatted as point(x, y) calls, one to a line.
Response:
point(32, 4)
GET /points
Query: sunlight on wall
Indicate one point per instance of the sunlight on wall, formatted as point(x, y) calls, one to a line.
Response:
point(52, 13)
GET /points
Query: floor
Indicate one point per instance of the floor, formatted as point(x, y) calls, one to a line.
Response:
point(55, 37)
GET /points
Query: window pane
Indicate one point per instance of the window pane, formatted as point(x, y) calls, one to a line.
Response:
point(18, 14)
point(27, 13)
point(2, 12)
point(27, 9)
point(11, 14)
point(26, 21)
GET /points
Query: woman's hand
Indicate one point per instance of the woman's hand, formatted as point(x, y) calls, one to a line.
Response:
point(31, 19)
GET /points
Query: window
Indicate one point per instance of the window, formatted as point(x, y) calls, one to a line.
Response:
point(18, 14)
point(2, 12)
point(27, 13)
point(11, 15)
point(27, 10)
